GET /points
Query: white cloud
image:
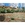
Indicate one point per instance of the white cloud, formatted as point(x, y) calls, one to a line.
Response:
point(14, 5)
point(1, 4)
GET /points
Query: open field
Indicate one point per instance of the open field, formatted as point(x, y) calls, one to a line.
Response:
point(20, 16)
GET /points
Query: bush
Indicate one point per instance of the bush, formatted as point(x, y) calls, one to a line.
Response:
point(8, 11)
point(3, 11)
point(17, 11)
point(0, 10)
point(12, 18)
point(12, 10)
point(23, 9)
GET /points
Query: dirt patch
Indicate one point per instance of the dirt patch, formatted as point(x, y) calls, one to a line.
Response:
point(19, 15)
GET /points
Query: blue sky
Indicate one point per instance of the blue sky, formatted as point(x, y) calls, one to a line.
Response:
point(6, 4)
point(12, 4)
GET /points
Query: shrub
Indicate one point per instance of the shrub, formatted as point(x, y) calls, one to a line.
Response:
point(23, 9)
point(8, 11)
point(12, 18)
point(0, 10)
point(17, 11)
point(3, 11)
point(12, 10)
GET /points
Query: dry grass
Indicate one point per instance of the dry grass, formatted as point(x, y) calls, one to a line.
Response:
point(17, 16)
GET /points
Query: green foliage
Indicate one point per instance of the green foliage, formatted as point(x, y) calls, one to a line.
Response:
point(8, 11)
point(23, 9)
point(3, 10)
point(0, 10)
point(12, 10)
point(17, 11)
point(12, 18)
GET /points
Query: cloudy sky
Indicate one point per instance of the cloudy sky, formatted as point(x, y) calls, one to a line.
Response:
point(13, 4)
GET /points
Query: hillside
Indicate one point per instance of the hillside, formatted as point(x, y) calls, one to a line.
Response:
point(12, 16)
